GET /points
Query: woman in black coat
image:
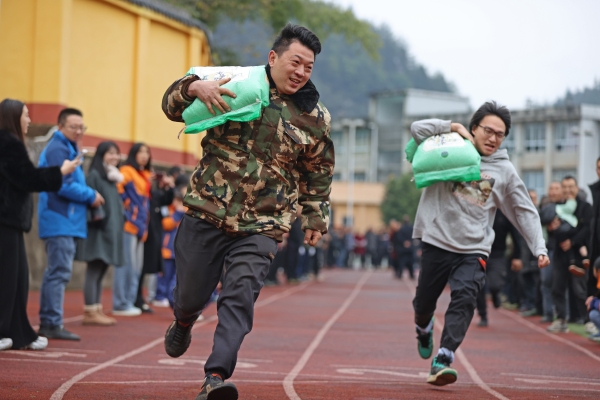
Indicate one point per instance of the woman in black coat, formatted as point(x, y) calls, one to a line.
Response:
point(18, 178)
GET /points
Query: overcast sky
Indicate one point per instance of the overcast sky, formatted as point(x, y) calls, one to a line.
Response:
point(505, 50)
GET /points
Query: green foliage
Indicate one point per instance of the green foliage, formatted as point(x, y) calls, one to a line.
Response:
point(320, 17)
point(401, 198)
point(358, 59)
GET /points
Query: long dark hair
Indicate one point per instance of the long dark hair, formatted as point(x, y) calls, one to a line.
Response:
point(98, 159)
point(131, 157)
point(10, 117)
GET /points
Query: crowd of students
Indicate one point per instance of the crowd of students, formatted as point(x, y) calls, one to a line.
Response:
point(121, 214)
point(566, 291)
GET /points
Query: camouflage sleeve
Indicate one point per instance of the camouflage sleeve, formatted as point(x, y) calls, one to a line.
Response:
point(175, 99)
point(316, 171)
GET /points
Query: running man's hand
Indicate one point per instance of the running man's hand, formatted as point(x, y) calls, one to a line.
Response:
point(312, 237)
point(462, 131)
point(543, 261)
point(210, 93)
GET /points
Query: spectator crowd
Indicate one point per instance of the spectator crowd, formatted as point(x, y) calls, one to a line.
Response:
point(125, 214)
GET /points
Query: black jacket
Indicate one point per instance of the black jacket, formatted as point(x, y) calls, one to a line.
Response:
point(18, 178)
point(579, 236)
point(595, 223)
point(153, 262)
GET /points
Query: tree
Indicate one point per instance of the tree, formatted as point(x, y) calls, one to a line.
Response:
point(322, 18)
point(401, 198)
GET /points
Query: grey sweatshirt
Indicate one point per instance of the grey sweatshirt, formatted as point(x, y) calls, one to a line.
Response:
point(458, 216)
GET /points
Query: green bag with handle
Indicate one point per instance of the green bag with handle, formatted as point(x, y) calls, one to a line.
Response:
point(443, 158)
point(251, 86)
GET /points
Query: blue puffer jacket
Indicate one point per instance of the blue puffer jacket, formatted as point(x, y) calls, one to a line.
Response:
point(64, 213)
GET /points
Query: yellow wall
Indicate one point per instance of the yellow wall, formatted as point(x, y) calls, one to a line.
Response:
point(17, 27)
point(367, 198)
point(109, 58)
point(102, 67)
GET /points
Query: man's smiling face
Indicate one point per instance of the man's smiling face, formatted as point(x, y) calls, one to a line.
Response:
point(292, 69)
point(486, 134)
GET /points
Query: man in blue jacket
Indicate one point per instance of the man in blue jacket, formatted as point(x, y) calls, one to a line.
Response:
point(62, 218)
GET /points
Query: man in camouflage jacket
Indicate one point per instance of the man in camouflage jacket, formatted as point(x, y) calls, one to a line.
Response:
point(243, 197)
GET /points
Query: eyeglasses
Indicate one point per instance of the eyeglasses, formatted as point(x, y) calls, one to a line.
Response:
point(81, 128)
point(489, 132)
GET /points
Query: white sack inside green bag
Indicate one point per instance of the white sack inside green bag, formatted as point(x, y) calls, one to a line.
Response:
point(251, 86)
point(443, 158)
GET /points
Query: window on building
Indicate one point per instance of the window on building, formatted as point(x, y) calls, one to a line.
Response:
point(559, 174)
point(565, 139)
point(534, 179)
point(363, 140)
point(337, 176)
point(337, 138)
point(509, 143)
point(360, 176)
point(535, 137)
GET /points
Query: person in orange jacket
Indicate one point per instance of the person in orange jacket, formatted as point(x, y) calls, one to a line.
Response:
point(135, 192)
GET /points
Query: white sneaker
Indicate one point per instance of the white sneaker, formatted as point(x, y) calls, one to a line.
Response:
point(130, 312)
point(5, 343)
point(160, 303)
point(39, 344)
point(591, 328)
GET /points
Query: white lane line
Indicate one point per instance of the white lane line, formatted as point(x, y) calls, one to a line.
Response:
point(460, 355)
point(554, 336)
point(551, 377)
point(288, 382)
point(60, 392)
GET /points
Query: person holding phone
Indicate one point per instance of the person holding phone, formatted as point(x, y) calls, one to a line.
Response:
point(62, 218)
point(18, 178)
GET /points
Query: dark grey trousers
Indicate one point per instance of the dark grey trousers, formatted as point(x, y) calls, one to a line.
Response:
point(561, 280)
point(202, 252)
point(466, 277)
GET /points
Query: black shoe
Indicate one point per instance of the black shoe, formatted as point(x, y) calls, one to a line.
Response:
point(57, 332)
point(213, 388)
point(483, 322)
point(178, 339)
point(145, 308)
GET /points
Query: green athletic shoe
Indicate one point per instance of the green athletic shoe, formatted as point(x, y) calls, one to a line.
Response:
point(425, 342)
point(441, 374)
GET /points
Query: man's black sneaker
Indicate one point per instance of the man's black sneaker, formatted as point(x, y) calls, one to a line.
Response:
point(57, 332)
point(425, 342)
point(441, 374)
point(213, 388)
point(178, 339)
point(483, 322)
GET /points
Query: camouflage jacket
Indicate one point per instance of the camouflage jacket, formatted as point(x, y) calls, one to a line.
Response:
point(253, 175)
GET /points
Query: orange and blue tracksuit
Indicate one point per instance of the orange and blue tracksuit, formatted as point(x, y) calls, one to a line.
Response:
point(135, 192)
point(166, 282)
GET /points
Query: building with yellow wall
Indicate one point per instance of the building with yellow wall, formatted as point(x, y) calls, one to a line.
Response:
point(366, 204)
point(112, 59)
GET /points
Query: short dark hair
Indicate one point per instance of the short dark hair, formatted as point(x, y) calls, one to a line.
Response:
point(491, 108)
point(10, 117)
point(64, 114)
point(569, 177)
point(291, 33)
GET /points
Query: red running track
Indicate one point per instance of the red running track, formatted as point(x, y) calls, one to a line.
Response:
point(349, 337)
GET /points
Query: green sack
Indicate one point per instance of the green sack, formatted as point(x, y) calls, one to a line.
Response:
point(443, 158)
point(251, 86)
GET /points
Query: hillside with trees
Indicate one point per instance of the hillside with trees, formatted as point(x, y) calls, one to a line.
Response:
point(358, 58)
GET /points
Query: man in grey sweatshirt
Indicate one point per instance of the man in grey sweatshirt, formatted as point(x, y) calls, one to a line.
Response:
point(454, 220)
